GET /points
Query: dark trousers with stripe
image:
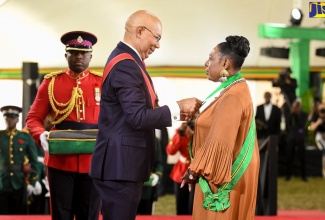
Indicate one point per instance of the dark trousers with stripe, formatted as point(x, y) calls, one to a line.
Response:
point(72, 195)
point(12, 202)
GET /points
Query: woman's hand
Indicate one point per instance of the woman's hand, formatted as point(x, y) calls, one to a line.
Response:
point(189, 178)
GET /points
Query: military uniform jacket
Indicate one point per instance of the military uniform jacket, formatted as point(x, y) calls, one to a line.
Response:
point(15, 146)
point(179, 143)
point(66, 83)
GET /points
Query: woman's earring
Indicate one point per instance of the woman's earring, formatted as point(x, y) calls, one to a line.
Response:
point(224, 75)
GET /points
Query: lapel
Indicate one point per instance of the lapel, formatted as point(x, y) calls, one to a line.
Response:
point(123, 48)
point(126, 49)
point(263, 112)
point(272, 112)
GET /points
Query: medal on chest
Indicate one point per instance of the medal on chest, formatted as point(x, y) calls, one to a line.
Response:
point(97, 94)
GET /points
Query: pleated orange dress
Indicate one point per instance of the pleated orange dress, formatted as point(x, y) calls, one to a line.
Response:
point(220, 131)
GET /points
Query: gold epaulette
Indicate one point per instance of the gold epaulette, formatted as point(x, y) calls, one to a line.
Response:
point(96, 73)
point(50, 75)
point(24, 131)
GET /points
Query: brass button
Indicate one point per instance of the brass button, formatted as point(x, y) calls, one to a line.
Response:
point(12, 162)
point(11, 174)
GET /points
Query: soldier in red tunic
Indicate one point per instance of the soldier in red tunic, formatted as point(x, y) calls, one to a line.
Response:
point(179, 143)
point(71, 99)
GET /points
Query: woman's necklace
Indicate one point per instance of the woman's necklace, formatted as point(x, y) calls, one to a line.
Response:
point(231, 80)
point(234, 82)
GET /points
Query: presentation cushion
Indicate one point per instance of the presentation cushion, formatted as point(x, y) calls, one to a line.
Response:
point(72, 141)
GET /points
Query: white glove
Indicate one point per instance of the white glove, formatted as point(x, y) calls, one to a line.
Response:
point(155, 179)
point(29, 189)
point(44, 142)
point(46, 184)
point(37, 189)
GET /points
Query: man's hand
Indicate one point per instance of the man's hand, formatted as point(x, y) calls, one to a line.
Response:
point(37, 189)
point(43, 140)
point(260, 124)
point(29, 190)
point(155, 179)
point(46, 184)
point(188, 107)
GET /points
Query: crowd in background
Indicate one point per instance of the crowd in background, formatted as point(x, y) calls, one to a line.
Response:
point(291, 124)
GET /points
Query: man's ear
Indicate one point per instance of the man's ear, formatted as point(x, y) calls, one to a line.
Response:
point(138, 31)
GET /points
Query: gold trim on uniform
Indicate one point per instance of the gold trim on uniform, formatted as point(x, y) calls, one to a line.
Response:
point(76, 101)
point(96, 73)
point(50, 75)
point(77, 76)
point(79, 49)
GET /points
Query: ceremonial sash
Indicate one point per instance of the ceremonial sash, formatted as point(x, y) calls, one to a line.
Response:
point(220, 201)
point(126, 56)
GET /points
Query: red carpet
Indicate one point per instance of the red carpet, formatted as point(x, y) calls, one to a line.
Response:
point(282, 215)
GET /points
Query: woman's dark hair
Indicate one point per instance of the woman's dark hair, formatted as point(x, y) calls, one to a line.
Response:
point(237, 48)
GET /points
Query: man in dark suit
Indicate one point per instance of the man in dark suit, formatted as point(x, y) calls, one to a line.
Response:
point(268, 118)
point(287, 84)
point(295, 139)
point(124, 154)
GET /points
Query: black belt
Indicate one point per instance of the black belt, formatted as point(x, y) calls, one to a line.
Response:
point(65, 125)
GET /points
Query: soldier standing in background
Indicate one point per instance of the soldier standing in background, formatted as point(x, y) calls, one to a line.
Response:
point(18, 155)
point(71, 99)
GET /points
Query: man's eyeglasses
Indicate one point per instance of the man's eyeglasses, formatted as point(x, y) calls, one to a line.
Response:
point(155, 36)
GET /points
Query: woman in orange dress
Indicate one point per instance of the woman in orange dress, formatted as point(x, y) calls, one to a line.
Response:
point(225, 153)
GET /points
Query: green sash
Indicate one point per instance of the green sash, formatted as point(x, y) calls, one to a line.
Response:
point(223, 85)
point(220, 200)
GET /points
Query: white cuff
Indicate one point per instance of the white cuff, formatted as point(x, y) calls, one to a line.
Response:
point(175, 111)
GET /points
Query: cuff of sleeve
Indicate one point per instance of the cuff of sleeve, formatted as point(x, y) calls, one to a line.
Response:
point(175, 111)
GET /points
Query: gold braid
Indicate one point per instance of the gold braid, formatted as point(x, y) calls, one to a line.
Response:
point(68, 105)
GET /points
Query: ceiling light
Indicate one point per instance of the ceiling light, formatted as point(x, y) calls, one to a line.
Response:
point(296, 17)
